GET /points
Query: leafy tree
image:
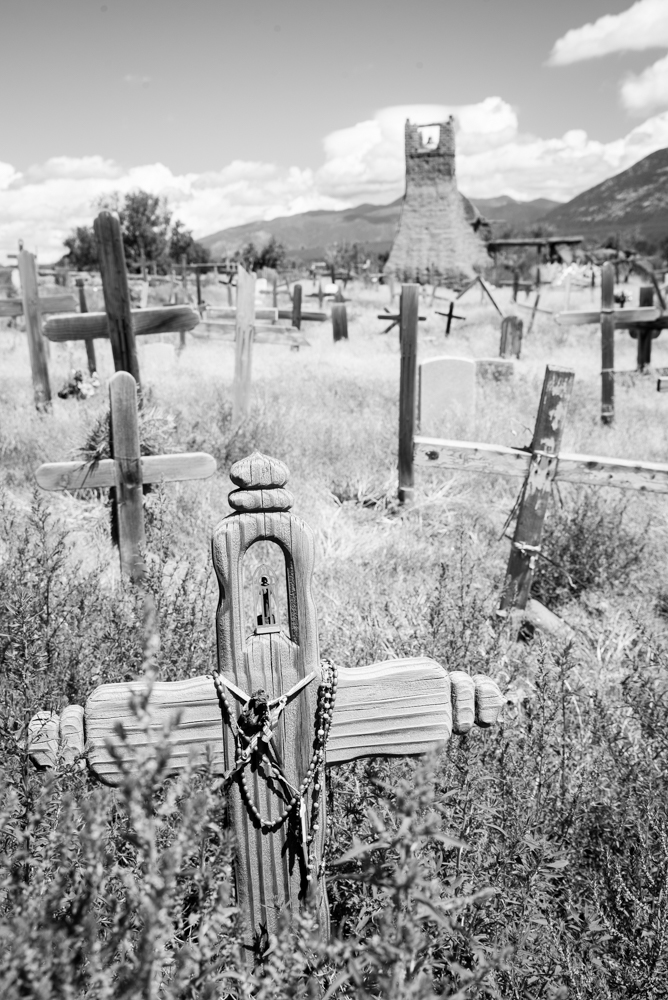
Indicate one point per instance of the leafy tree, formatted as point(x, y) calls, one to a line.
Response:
point(148, 233)
point(272, 254)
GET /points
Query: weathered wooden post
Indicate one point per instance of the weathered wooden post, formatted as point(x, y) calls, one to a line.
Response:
point(339, 321)
point(297, 306)
point(90, 346)
point(33, 320)
point(116, 293)
point(408, 328)
point(283, 714)
point(245, 329)
point(126, 472)
point(607, 343)
point(644, 334)
point(547, 435)
point(534, 310)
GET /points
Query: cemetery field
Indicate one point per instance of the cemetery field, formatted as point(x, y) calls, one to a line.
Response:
point(527, 860)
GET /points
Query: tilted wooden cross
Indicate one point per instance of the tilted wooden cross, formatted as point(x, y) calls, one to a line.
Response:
point(539, 465)
point(126, 472)
point(450, 315)
point(644, 324)
point(33, 306)
point(272, 716)
point(119, 323)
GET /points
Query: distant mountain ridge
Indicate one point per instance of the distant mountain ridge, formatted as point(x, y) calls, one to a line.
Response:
point(633, 201)
point(308, 234)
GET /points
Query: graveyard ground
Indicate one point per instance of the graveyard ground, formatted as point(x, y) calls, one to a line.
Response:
point(555, 881)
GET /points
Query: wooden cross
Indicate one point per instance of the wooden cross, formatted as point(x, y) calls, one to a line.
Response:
point(126, 472)
point(395, 317)
point(450, 314)
point(272, 716)
point(644, 323)
point(33, 306)
point(119, 323)
point(539, 465)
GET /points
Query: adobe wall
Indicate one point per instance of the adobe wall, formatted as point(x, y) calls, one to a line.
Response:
point(434, 241)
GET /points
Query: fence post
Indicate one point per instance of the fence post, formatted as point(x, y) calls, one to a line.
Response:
point(339, 321)
point(116, 294)
point(297, 307)
point(548, 432)
point(408, 328)
point(245, 329)
point(90, 346)
point(33, 320)
point(607, 343)
point(128, 493)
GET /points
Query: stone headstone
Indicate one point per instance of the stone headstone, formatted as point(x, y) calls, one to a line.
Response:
point(495, 369)
point(447, 389)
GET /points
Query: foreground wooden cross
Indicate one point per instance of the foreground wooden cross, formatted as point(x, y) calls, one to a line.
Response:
point(539, 465)
point(126, 472)
point(119, 323)
point(272, 716)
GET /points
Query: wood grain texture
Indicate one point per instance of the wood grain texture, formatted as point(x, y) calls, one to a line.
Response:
point(145, 322)
point(408, 331)
point(43, 736)
point(607, 343)
point(102, 475)
point(245, 321)
point(36, 345)
point(128, 469)
point(548, 432)
point(47, 304)
point(400, 707)
point(621, 318)
point(258, 471)
point(268, 873)
point(116, 293)
point(71, 733)
point(254, 500)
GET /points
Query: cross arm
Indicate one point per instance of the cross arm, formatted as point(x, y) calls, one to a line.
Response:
point(83, 326)
point(47, 304)
point(622, 317)
point(103, 474)
point(400, 707)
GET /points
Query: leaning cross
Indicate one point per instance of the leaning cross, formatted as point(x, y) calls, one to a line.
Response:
point(119, 323)
point(272, 716)
point(450, 315)
point(126, 472)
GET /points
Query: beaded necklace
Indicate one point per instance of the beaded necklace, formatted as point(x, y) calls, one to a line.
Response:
point(253, 732)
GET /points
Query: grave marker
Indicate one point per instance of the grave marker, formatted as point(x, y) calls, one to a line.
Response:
point(245, 324)
point(339, 321)
point(126, 472)
point(273, 716)
point(447, 387)
point(33, 319)
point(511, 337)
point(90, 346)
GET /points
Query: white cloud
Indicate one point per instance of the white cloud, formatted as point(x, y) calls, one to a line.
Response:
point(643, 26)
point(362, 163)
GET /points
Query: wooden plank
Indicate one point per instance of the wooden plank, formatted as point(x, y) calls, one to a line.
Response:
point(306, 315)
point(127, 463)
point(90, 346)
point(468, 456)
point(607, 344)
point(408, 311)
point(297, 306)
point(116, 293)
point(245, 320)
point(397, 707)
point(622, 318)
point(47, 304)
point(145, 322)
point(623, 474)
point(548, 432)
point(10, 308)
point(230, 312)
point(102, 475)
point(36, 344)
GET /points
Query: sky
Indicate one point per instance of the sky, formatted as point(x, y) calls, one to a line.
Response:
point(241, 110)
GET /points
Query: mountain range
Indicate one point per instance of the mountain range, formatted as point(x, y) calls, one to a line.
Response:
point(634, 201)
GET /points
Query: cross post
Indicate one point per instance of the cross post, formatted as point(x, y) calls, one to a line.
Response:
point(245, 331)
point(33, 319)
point(283, 714)
point(126, 472)
point(90, 346)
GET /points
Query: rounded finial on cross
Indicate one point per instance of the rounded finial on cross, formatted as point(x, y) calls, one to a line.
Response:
point(260, 480)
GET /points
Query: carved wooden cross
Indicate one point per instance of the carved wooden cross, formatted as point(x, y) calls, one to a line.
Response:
point(126, 472)
point(119, 323)
point(272, 715)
